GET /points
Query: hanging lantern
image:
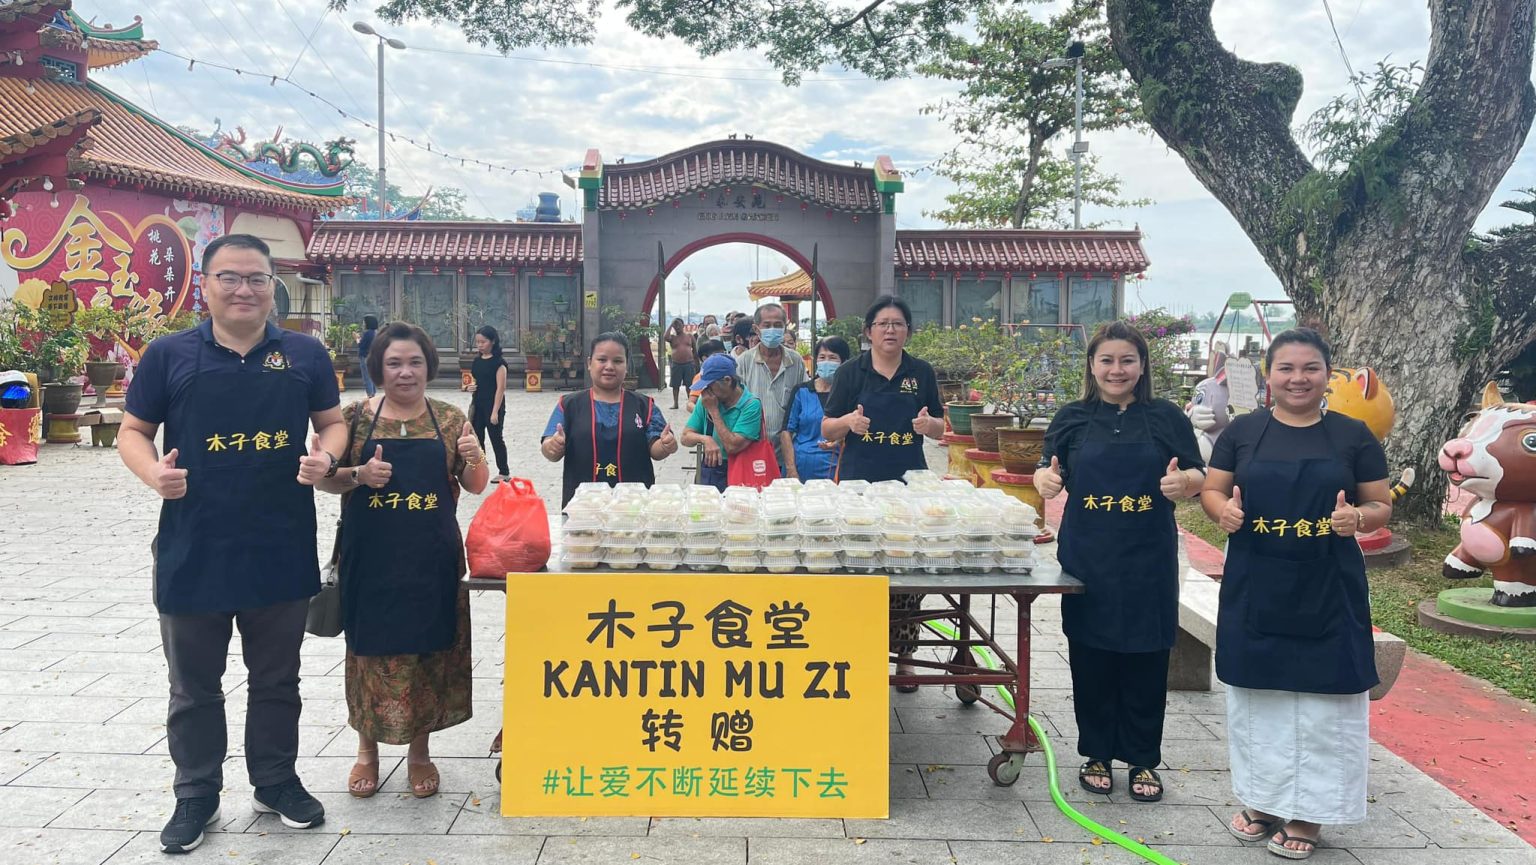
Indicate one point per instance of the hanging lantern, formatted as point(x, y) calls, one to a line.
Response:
point(803, 206)
point(111, 181)
point(933, 275)
point(650, 211)
point(906, 274)
point(1060, 275)
point(623, 215)
point(539, 272)
point(436, 270)
point(459, 271)
point(410, 268)
point(829, 213)
point(1033, 274)
point(357, 268)
point(487, 271)
point(1008, 275)
point(703, 196)
point(569, 271)
point(676, 203)
point(778, 199)
point(855, 218)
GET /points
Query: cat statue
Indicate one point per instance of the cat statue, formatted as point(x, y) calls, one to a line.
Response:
point(1361, 394)
point(1494, 458)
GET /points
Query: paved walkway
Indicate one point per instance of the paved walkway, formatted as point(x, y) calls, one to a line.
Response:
point(84, 776)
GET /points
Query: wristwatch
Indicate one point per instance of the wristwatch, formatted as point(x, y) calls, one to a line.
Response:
point(356, 481)
point(1359, 519)
point(331, 472)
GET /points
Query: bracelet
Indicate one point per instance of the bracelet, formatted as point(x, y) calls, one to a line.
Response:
point(1359, 519)
point(476, 463)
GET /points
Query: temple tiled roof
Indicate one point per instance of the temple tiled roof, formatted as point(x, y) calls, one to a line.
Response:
point(790, 286)
point(11, 10)
point(1021, 250)
point(452, 244)
point(718, 164)
point(133, 147)
point(16, 140)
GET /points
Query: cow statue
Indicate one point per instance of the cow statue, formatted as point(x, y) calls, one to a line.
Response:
point(1208, 410)
point(1494, 459)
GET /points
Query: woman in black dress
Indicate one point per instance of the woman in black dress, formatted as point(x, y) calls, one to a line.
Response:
point(488, 396)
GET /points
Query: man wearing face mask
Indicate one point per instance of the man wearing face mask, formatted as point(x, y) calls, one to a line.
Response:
point(771, 373)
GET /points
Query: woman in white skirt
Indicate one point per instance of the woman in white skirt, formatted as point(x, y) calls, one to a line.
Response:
point(1292, 485)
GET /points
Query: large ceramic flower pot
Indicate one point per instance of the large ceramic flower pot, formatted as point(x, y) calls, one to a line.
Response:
point(59, 398)
point(959, 413)
point(1021, 448)
point(984, 427)
point(101, 374)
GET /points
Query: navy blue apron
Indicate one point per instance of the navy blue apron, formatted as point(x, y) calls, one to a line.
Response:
point(400, 552)
point(244, 534)
point(1295, 611)
point(620, 453)
point(1118, 537)
point(873, 457)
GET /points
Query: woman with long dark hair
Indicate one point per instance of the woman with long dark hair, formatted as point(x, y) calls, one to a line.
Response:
point(606, 433)
point(1123, 457)
point(488, 396)
point(1291, 485)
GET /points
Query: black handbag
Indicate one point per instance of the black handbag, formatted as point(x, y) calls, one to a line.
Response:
point(324, 616)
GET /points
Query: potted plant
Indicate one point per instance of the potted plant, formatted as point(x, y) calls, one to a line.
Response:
point(104, 326)
point(535, 344)
point(1045, 374)
point(637, 329)
point(341, 341)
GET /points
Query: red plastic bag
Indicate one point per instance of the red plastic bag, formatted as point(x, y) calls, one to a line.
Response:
point(754, 466)
point(510, 532)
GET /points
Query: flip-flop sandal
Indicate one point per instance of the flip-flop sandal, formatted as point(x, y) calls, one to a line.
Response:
point(1095, 769)
point(363, 772)
point(904, 669)
point(1266, 827)
point(1144, 776)
point(1279, 849)
point(419, 774)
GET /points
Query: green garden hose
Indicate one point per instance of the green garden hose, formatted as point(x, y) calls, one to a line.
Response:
point(1066, 808)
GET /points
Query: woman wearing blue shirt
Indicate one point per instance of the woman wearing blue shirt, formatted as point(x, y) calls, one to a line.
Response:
point(807, 455)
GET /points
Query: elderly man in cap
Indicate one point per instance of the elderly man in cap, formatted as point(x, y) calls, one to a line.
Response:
point(726, 419)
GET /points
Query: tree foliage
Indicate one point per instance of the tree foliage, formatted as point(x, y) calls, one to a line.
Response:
point(1012, 109)
point(446, 203)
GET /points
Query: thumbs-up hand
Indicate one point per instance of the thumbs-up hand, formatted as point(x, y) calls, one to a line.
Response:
point(314, 465)
point(554, 446)
point(1346, 517)
point(376, 472)
point(668, 441)
point(1174, 484)
point(170, 482)
point(858, 424)
point(923, 423)
point(1048, 479)
point(1232, 513)
point(469, 446)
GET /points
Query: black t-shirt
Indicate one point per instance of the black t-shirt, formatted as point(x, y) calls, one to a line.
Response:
point(1075, 421)
point(1338, 436)
point(853, 378)
point(484, 371)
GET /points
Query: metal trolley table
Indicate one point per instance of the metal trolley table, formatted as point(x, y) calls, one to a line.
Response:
point(973, 632)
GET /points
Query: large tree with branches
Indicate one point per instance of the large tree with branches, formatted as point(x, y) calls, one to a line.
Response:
point(1379, 250)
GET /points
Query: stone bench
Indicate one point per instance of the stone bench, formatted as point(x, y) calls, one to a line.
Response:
point(1190, 667)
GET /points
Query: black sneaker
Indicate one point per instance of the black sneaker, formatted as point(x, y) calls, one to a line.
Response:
point(184, 831)
point(291, 803)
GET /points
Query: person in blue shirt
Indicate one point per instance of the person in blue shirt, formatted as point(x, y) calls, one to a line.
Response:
point(364, 345)
point(807, 455)
point(606, 433)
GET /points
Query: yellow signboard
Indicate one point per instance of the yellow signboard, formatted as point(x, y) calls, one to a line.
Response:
point(656, 694)
point(59, 304)
point(589, 299)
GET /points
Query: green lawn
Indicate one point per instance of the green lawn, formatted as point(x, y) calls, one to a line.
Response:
point(1395, 596)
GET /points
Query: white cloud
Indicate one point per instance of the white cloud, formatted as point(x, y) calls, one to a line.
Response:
point(544, 115)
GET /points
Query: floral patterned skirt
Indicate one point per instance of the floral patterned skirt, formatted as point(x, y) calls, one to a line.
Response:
point(395, 698)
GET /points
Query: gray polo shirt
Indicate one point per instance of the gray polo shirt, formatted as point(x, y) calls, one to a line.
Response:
point(776, 391)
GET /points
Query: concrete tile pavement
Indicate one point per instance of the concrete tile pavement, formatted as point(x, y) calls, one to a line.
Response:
point(84, 777)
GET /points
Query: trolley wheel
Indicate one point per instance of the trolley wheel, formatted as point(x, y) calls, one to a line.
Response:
point(1004, 768)
point(498, 770)
point(967, 694)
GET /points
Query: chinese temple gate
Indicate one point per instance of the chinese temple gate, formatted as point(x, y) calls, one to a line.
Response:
point(640, 220)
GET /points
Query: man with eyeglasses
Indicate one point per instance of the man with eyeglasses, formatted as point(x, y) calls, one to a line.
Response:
point(236, 544)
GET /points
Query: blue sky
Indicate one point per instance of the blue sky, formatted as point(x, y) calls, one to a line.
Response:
point(537, 114)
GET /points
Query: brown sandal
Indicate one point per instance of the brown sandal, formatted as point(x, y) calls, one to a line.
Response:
point(364, 772)
point(424, 779)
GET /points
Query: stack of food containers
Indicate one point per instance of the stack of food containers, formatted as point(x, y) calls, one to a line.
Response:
point(665, 518)
point(938, 525)
point(1016, 537)
point(624, 527)
point(898, 533)
point(581, 537)
point(860, 537)
point(742, 532)
point(820, 533)
point(979, 520)
point(780, 539)
point(703, 527)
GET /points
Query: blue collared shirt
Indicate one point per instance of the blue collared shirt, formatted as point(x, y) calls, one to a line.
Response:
point(159, 394)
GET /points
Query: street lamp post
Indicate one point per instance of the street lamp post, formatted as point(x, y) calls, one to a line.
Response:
point(363, 28)
point(1074, 58)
